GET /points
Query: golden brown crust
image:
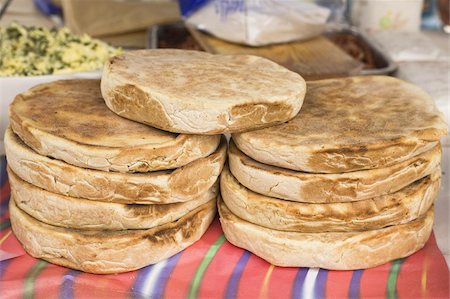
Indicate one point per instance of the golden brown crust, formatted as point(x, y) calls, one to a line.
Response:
point(68, 120)
point(327, 188)
point(180, 185)
point(64, 211)
point(104, 252)
point(330, 250)
point(350, 124)
point(400, 207)
point(201, 93)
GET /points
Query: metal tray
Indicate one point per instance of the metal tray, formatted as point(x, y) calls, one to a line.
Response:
point(383, 64)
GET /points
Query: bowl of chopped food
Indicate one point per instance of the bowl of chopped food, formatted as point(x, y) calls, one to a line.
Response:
point(33, 55)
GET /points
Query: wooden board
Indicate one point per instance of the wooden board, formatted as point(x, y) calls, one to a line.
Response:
point(316, 58)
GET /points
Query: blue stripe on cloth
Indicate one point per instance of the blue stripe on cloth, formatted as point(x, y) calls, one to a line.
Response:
point(164, 276)
point(319, 286)
point(4, 206)
point(67, 284)
point(354, 289)
point(233, 283)
point(3, 174)
point(140, 280)
point(3, 265)
point(297, 287)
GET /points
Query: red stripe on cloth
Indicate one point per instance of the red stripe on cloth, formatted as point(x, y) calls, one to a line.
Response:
point(252, 277)
point(48, 283)
point(338, 283)
point(180, 280)
point(214, 285)
point(97, 289)
point(11, 245)
point(5, 217)
point(436, 284)
point(374, 281)
point(410, 275)
point(88, 285)
point(13, 278)
point(123, 282)
point(5, 191)
point(281, 281)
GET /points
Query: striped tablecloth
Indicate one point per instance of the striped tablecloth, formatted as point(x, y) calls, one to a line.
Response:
point(213, 268)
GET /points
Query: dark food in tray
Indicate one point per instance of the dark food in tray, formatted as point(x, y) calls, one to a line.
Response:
point(355, 47)
point(176, 37)
point(350, 40)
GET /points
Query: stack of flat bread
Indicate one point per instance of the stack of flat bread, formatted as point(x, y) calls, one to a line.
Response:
point(348, 183)
point(101, 193)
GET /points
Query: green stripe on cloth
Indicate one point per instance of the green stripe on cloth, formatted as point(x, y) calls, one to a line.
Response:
point(193, 290)
point(5, 224)
point(391, 291)
point(30, 279)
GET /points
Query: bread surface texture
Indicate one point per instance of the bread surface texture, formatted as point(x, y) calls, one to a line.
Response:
point(200, 93)
point(350, 124)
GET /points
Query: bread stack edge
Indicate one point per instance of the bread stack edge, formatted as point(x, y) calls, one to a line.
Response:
point(100, 193)
point(349, 183)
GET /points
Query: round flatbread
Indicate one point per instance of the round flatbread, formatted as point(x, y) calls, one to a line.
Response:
point(200, 93)
point(327, 188)
point(180, 185)
point(68, 120)
point(331, 250)
point(104, 252)
point(350, 124)
point(400, 207)
point(64, 211)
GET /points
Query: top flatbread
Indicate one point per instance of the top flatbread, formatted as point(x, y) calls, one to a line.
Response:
point(201, 93)
point(350, 124)
point(68, 120)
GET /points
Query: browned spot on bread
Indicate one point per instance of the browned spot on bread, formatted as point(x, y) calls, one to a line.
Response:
point(143, 107)
point(205, 172)
point(149, 209)
point(329, 189)
point(346, 150)
point(258, 115)
point(186, 225)
point(22, 130)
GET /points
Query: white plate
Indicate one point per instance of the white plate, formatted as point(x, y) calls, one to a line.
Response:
point(11, 86)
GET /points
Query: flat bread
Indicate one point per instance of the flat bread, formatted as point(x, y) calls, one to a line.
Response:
point(200, 93)
point(104, 252)
point(403, 206)
point(64, 211)
point(68, 120)
point(350, 124)
point(330, 250)
point(327, 188)
point(180, 185)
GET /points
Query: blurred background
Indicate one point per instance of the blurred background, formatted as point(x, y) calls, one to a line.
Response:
point(319, 39)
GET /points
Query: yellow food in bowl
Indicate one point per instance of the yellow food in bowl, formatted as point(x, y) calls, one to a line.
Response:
point(35, 51)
